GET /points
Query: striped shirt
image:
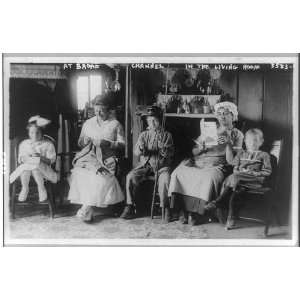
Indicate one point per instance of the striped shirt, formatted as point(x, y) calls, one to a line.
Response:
point(257, 161)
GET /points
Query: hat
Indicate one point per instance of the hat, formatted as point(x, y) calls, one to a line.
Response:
point(154, 111)
point(39, 121)
point(229, 106)
point(107, 99)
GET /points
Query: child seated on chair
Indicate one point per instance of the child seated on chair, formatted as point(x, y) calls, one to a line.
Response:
point(35, 157)
point(251, 168)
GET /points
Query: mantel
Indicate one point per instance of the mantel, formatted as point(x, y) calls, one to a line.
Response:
point(194, 116)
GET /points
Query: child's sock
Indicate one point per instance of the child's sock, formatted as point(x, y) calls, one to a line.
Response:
point(223, 197)
point(25, 177)
point(23, 194)
point(38, 177)
point(42, 193)
point(219, 201)
point(232, 210)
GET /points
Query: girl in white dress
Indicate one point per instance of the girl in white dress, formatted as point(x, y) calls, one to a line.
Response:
point(35, 157)
point(92, 181)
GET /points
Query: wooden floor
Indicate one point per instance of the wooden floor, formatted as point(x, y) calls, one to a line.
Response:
point(35, 224)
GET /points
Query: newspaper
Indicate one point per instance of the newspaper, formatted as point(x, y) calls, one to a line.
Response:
point(209, 132)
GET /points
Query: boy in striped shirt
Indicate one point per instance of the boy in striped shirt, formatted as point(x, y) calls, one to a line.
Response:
point(251, 168)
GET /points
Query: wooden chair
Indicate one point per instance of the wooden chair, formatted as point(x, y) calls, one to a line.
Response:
point(155, 203)
point(266, 195)
point(16, 186)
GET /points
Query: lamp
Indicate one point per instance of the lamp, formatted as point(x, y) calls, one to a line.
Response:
point(116, 85)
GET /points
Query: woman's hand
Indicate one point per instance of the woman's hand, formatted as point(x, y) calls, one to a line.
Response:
point(83, 141)
point(102, 171)
point(199, 149)
point(105, 144)
point(86, 140)
point(223, 140)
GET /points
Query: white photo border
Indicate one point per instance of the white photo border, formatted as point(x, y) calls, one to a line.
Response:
point(153, 58)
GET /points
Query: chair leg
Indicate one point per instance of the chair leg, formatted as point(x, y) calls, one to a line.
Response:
point(61, 192)
point(268, 219)
point(51, 202)
point(153, 199)
point(13, 201)
point(266, 229)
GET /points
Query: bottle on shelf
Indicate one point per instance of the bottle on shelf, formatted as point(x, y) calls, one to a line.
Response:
point(208, 90)
point(186, 107)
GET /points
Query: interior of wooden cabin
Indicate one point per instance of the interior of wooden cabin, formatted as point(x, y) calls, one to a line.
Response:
point(63, 94)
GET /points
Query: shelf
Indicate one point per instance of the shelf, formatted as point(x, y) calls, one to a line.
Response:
point(191, 95)
point(194, 116)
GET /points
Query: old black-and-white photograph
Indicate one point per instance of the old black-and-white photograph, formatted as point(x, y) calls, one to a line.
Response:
point(149, 150)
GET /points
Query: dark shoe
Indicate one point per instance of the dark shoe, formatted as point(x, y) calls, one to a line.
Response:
point(221, 215)
point(209, 206)
point(117, 209)
point(89, 221)
point(128, 212)
point(230, 224)
point(185, 218)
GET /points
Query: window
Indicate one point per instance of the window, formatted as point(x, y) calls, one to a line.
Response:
point(87, 87)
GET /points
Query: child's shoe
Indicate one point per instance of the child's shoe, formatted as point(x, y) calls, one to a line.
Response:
point(23, 194)
point(85, 214)
point(230, 224)
point(128, 212)
point(220, 213)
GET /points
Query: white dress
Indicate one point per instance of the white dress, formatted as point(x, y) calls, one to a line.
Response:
point(46, 149)
point(87, 187)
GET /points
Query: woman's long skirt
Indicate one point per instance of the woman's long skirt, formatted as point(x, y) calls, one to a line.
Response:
point(88, 188)
point(191, 187)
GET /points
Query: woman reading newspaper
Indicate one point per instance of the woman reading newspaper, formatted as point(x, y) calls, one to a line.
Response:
point(198, 180)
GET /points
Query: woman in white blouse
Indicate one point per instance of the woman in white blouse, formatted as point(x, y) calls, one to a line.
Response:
point(93, 181)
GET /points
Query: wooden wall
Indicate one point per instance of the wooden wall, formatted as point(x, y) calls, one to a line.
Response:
point(277, 124)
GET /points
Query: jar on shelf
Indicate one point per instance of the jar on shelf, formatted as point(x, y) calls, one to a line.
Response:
point(206, 107)
point(196, 105)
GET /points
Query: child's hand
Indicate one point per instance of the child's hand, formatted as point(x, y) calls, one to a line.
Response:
point(25, 158)
point(35, 155)
point(202, 146)
point(236, 171)
point(142, 146)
